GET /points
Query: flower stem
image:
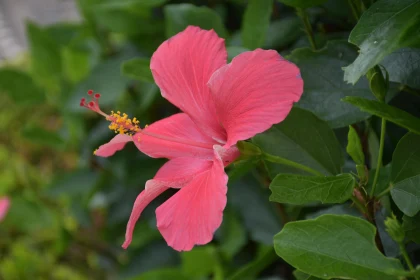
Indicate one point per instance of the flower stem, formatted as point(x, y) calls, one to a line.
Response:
point(381, 152)
point(287, 162)
point(308, 27)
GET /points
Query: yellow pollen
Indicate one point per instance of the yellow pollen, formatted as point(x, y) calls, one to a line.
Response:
point(122, 124)
point(94, 152)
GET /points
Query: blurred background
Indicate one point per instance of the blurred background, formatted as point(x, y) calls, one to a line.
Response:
point(69, 208)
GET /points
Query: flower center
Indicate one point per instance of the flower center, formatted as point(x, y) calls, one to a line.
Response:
point(120, 123)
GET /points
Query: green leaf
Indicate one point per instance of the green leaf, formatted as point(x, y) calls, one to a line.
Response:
point(260, 220)
point(179, 16)
point(385, 19)
point(304, 139)
point(299, 275)
point(45, 57)
point(20, 87)
point(130, 17)
point(29, 216)
point(403, 66)
point(324, 87)
point(39, 135)
point(295, 189)
point(406, 194)
point(265, 257)
point(255, 23)
point(388, 112)
point(283, 32)
point(411, 227)
point(76, 183)
point(334, 247)
point(302, 3)
point(200, 261)
point(233, 234)
point(106, 79)
point(234, 51)
point(405, 174)
point(162, 274)
point(406, 158)
point(76, 64)
point(354, 147)
point(138, 69)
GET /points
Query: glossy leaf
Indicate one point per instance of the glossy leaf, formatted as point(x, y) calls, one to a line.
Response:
point(295, 189)
point(334, 247)
point(289, 139)
point(383, 20)
point(411, 227)
point(283, 32)
point(405, 174)
point(406, 158)
point(138, 69)
point(324, 86)
point(403, 66)
point(255, 23)
point(179, 16)
point(354, 147)
point(406, 194)
point(388, 112)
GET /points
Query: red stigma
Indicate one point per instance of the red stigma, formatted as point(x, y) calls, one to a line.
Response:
point(90, 92)
point(97, 95)
point(91, 104)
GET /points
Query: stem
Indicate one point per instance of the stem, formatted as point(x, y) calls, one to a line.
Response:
point(406, 257)
point(381, 152)
point(308, 27)
point(387, 190)
point(371, 217)
point(353, 10)
point(287, 162)
point(359, 205)
point(409, 90)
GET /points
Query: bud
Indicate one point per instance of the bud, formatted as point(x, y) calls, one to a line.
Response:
point(394, 228)
point(378, 84)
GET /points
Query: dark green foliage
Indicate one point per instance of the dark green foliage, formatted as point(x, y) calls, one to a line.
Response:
point(334, 171)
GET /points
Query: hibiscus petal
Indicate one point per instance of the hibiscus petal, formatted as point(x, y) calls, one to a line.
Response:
point(182, 66)
point(194, 213)
point(168, 131)
point(173, 174)
point(179, 171)
point(142, 200)
point(116, 144)
point(256, 90)
point(4, 207)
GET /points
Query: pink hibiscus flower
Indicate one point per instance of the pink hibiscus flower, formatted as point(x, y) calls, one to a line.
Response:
point(4, 207)
point(221, 104)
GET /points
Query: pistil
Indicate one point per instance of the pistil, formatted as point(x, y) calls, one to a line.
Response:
point(123, 125)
